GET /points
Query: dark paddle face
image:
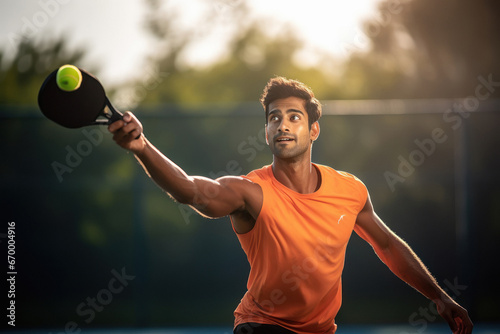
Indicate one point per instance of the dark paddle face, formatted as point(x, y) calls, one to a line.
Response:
point(74, 109)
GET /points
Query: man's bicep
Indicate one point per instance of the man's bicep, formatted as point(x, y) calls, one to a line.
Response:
point(371, 228)
point(220, 197)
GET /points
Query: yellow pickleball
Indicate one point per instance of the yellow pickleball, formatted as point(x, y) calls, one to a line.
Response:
point(68, 78)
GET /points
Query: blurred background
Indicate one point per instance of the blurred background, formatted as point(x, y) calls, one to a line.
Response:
point(410, 90)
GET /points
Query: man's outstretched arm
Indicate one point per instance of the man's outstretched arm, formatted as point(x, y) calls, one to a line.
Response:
point(212, 198)
point(403, 262)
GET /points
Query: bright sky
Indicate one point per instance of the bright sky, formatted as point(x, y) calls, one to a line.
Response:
point(112, 30)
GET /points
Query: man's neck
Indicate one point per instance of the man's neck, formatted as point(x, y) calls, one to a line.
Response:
point(301, 176)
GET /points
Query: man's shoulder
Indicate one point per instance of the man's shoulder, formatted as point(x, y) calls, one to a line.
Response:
point(259, 174)
point(342, 180)
point(342, 175)
point(347, 183)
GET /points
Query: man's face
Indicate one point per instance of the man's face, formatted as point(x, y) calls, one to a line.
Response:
point(287, 130)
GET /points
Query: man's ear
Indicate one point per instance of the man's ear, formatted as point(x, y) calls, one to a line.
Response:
point(315, 131)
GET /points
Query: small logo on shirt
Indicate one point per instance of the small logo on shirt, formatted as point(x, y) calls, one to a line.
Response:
point(340, 219)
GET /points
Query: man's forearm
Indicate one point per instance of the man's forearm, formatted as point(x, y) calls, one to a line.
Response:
point(403, 262)
point(399, 257)
point(128, 133)
point(166, 174)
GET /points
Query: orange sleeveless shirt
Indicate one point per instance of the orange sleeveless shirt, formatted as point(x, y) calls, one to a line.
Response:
point(296, 252)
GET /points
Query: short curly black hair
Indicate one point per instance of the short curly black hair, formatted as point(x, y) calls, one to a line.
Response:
point(281, 88)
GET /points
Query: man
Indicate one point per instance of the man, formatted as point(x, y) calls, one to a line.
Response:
point(293, 220)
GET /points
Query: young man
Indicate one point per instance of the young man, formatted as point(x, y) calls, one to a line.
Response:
point(293, 220)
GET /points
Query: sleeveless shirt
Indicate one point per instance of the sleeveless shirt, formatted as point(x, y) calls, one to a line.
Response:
point(296, 251)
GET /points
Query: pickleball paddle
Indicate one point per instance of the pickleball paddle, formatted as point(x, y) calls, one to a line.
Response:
point(87, 105)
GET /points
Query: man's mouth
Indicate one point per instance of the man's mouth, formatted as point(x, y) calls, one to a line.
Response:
point(284, 139)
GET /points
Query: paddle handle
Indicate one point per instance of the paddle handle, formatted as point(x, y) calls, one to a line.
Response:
point(111, 113)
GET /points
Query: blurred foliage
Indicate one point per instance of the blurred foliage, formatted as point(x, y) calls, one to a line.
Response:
point(21, 78)
point(429, 49)
point(417, 51)
point(251, 59)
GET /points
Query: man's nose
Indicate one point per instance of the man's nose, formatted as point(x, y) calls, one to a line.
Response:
point(283, 127)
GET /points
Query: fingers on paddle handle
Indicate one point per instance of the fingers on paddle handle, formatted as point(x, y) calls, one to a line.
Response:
point(113, 115)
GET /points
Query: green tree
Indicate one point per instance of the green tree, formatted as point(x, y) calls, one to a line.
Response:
point(253, 56)
point(34, 60)
point(429, 49)
point(241, 77)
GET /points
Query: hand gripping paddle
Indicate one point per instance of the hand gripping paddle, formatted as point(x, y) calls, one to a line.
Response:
point(87, 105)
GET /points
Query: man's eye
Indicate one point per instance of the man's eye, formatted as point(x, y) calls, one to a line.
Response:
point(274, 118)
point(295, 118)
